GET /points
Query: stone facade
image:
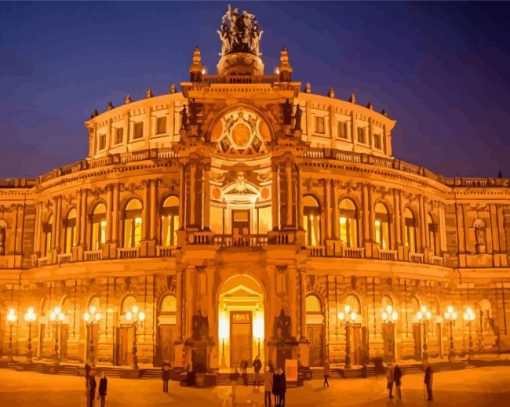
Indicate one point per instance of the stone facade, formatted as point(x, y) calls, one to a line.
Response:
point(250, 201)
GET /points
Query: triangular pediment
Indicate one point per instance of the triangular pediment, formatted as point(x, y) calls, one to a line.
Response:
point(242, 291)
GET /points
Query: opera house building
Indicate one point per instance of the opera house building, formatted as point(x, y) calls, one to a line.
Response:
point(246, 216)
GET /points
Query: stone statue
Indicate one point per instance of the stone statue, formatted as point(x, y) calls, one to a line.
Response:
point(200, 327)
point(282, 327)
point(184, 118)
point(479, 226)
point(239, 32)
point(287, 113)
point(297, 118)
point(193, 112)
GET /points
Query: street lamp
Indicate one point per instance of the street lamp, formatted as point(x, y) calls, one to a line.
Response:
point(469, 317)
point(390, 316)
point(91, 318)
point(450, 316)
point(347, 317)
point(136, 319)
point(11, 320)
point(57, 318)
point(424, 315)
point(30, 318)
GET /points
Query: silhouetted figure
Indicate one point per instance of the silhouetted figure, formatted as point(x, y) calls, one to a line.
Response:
point(91, 391)
point(276, 387)
point(257, 365)
point(87, 375)
point(389, 379)
point(397, 374)
point(165, 375)
point(103, 385)
point(282, 388)
point(428, 381)
point(327, 373)
point(244, 372)
point(268, 386)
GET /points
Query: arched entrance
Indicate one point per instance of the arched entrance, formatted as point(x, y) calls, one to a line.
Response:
point(240, 321)
point(315, 329)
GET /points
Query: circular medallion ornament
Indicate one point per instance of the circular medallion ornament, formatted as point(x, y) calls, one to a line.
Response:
point(241, 135)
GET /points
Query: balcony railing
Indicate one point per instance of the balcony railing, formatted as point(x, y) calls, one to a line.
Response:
point(42, 261)
point(128, 253)
point(416, 257)
point(438, 260)
point(92, 255)
point(164, 251)
point(64, 258)
point(240, 241)
point(353, 252)
point(387, 254)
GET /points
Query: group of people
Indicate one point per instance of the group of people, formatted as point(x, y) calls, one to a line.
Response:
point(275, 383)
point(394, 377)
point(91, 385)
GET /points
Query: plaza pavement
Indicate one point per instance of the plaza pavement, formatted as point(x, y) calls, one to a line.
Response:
point(487, 386)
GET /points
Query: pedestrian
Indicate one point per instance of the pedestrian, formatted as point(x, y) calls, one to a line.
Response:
point(234, 380)
point(103, 385)
point(165, 375)
point(190, 376)
point(428, 381)
point(91, 391)
point(389, 378)
point(327, 372)
point(283, 388)
point(397, 374)
point(87, 375)
point(276, 387)
point(244, 372)
point(257, 365)
point(268, 386)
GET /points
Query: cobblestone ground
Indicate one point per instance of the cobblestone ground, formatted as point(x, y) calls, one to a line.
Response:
point(467, 388)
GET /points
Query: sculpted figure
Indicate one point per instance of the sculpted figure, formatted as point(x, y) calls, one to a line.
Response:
point(297, 118)
point(184, 118)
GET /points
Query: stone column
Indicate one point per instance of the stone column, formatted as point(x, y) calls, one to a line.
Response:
point(154, 209)
point(423, 225)
point(327, 208)
point(192, 195)
point(109, 210)
point(38, 227)
point(335, 210)
point(83, 221)
point(288, 173)
point(275, 196)
point(206, 191)
point(366, 215)
point(115, 215)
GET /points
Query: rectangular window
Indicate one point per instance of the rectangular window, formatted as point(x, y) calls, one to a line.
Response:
point(377, 141)
point(119, 135)
point(137, 130)
point(343, 130)
point(161, 125)
point(319, 125)
point(361, 135)
point(102, 142)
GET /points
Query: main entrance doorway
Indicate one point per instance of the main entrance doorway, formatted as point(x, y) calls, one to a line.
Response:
point(241, 321)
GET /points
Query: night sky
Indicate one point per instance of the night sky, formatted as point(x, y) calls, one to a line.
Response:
point(442, 70)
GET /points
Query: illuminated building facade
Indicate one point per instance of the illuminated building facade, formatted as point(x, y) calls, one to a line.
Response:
point(241, 216)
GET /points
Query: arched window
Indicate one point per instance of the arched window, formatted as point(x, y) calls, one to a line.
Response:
point(432, 230)
point(311, 220)
point(127, 304)
point(132, 223)
point(386, 302)
point(47, 235)
point(168, 305)
point(95, 302)
point(382, 226)
point(169, 221)
point(98, 219)
point(348, 223)
point(353, 302)
point(70, 231)
point(313, 305)
point(410, 230)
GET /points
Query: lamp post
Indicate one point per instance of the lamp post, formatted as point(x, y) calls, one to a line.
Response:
point(30, 318)
point(469, 317)
point(91, 318)
point(390, 316)
point(11, 320)
point(450, 316)
point(347, 317)
point(136, 319)
point(57, 318)
point(424, 315)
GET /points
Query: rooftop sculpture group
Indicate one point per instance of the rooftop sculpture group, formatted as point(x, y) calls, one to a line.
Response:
point(239, 32)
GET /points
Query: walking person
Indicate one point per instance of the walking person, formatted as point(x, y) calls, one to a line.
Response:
point(103, 385)
point(268, 386)
point(283, 388)
point(165, 375)
point(276, 387)
point(257, 365)
point(390, 374)
point(397, 374)
point(234, 380)
point(327, 372)
point(87, 375)
point(91, 391)
point(428, 381)
point(244, 372)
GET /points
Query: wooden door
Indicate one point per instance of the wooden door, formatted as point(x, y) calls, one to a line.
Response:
point(64, 336)
point(125, 346)
point(356, 344)
point(166, 343)
point(389, 342)
point(241, 339)
point(315, 334)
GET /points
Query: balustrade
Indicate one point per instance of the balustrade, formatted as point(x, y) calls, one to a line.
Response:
point(128, 253)
point(387, 254)
point(164, 251)
point(353, 252)
point(42, 261)
point(64, 258)
point(92, 255)
point(416, 257)
point(438, 260)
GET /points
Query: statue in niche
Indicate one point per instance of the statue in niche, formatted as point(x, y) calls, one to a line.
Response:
point(193, 108)
point(200, 327)
point(287, 113)
point(479, 227)
point(282, 327)
point(297, 118)
point(184, 118)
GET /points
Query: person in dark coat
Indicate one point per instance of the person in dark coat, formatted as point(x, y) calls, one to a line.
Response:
point(390, 377)
point(428, 381)
point(244, 372)
point(276, 387)
point(87, 375)
point(257, 365)
point(165, 375)
point(327, 373)
point(103, 385)
point(91, 391)
point(282, 388)
point(397, 374)
point(190, 377)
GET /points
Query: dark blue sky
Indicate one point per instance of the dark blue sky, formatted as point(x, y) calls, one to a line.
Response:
point(442, 70)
